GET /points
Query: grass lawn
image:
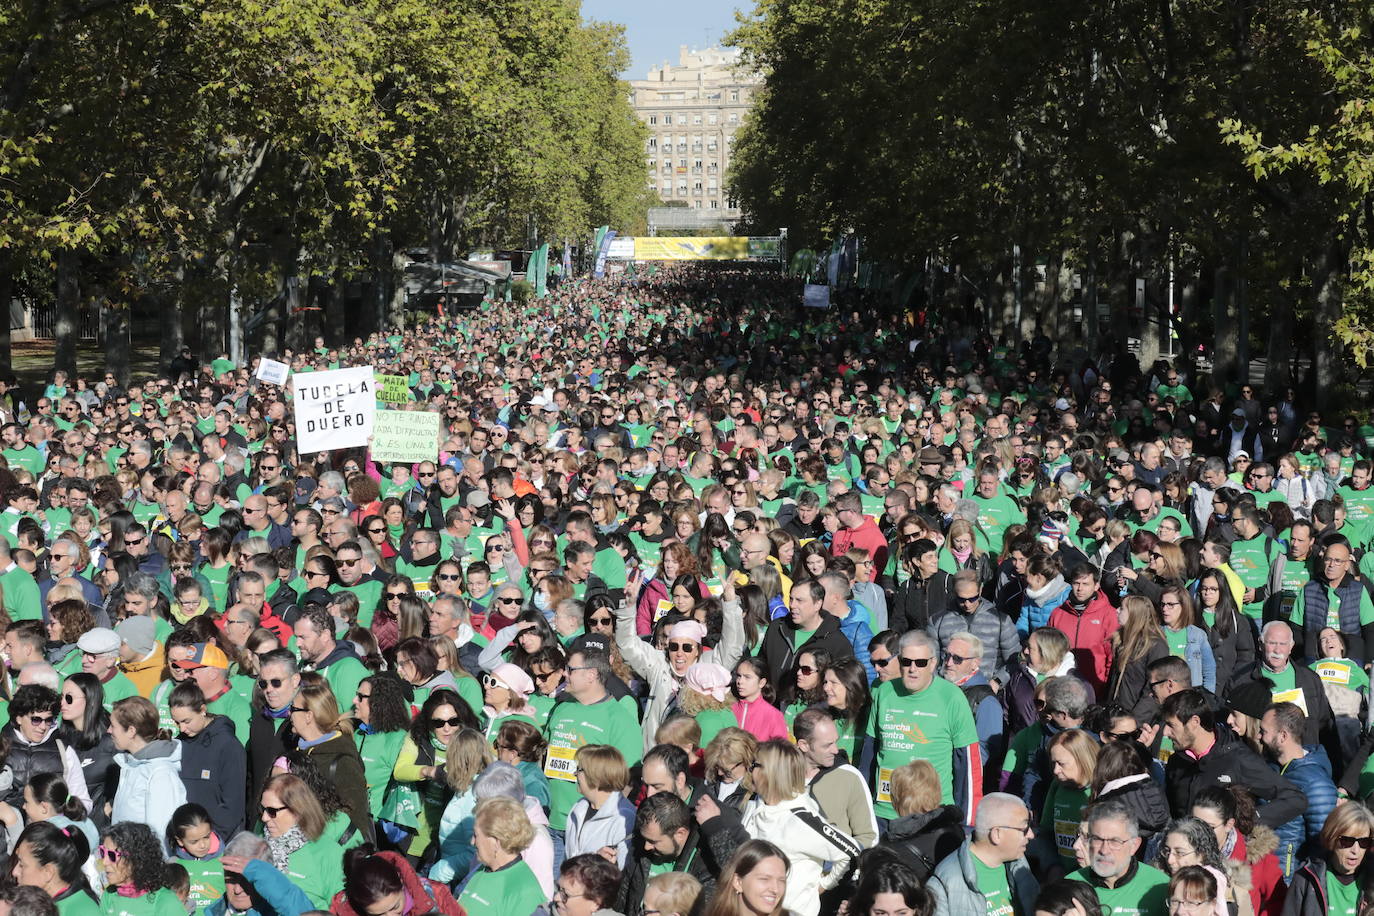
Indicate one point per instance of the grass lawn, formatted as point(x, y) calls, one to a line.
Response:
point(33, 363)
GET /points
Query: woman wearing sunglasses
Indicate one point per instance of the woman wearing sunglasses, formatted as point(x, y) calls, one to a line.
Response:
point(1335, 880)
point(130, 858)
point(419, 791)
point(324, 736)
point(34, 747)
point(505, 690)
point(303, 843)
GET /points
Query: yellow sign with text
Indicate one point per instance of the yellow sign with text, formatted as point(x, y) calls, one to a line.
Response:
point(686, 248)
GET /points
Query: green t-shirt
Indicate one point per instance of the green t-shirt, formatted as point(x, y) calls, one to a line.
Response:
point(1333, 609)
point(1251, 560)
point(378, 752)
point(1062, 814)
point(801, 638)
point(929, 725)
point(118, 688)
point(712, 721)
point(207, 882)
point(78, 904)
point(1022, 748)
point(159, 903)
point(1342, 672)
point(1342, 896)
point(570, 726)
point(236, 709)
point(1177, 641)
point(992, 881)
point(507, 892)
point(1145, 894)
point(994, 515)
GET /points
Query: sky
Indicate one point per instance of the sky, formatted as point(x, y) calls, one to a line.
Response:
point(655, 28)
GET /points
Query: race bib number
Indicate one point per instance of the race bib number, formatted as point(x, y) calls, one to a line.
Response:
point(1334, 674)
point(1065, 833)
point(561, 764)
point(885, 785)
point(1292, 696)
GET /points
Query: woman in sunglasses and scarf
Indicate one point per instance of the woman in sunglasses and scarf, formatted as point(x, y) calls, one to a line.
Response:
point(35, 747)
point(1336, 879)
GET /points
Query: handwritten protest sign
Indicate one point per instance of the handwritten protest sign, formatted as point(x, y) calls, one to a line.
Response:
point(272, 372)
point(393, 389)
point(405, 435)
point(334, 409)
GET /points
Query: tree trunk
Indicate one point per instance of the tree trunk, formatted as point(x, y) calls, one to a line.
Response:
point(6, 298)
point(67, 326)
point(1326, 280)
point(335, 319)
point(173, 328)
point(396, 304)
point(383, 281)
point(1225, 347)
point(115, 329)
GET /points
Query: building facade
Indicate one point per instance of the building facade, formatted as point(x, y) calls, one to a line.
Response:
point(693, 110)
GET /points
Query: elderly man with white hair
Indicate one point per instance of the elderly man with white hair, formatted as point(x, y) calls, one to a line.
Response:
point(989, 874)
point(922, 716)
point(1291, 683)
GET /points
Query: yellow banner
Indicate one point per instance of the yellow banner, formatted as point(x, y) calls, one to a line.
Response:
point(685, 248)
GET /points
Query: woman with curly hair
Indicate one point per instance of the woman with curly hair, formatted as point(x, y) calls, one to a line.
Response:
point(130, 858)
point(381, 718)
point(67, 621)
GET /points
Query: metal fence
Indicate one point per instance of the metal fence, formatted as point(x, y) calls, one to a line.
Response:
point(42, 322)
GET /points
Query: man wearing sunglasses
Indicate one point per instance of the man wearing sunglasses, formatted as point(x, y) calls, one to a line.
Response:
point(970, 612)
point(921, 716)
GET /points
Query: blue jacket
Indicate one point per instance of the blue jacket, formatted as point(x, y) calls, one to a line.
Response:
point(1298, 836)
point(856, 629)
point(1036, 614)
point(1202, 661)
point(272, 892)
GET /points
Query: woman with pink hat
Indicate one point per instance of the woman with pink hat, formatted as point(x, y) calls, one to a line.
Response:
point(705, 696)
point(665, 671)
point(505, 690)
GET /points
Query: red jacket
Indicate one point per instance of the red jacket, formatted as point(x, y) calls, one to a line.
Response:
point(1090, 637)
point(867, 538)
point(1267, 890)
point(426, 896)
point(268, 620)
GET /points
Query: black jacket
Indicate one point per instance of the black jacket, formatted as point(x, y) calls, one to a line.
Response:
point(917, 601)
point(1307, 891)
point(778, 652)
point(698, 858)
point(338, 761)
point(265, 744)
point(1146, 801)
point(1321, 722)
point(922, 841)
point(1231, 762)
point(214, 766)
point(102, 776)
point(1127, 684)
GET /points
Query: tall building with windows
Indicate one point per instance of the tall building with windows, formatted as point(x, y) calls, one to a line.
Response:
point(693, 110)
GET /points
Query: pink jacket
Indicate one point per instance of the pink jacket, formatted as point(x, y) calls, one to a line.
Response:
point(761, 719)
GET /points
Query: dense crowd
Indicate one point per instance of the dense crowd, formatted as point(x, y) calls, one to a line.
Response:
point(707, 604)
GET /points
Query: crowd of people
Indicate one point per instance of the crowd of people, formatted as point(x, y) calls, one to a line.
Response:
point(706, 604)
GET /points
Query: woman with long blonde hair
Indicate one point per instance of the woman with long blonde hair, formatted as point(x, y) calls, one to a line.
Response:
point(1139, 642)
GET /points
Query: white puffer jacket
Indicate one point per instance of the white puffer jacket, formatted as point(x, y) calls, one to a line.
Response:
point(819, 852)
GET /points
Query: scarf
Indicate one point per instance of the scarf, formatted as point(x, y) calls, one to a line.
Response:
point(281, 847)
point(386, 629)
point(180, 617)
point(961, 555)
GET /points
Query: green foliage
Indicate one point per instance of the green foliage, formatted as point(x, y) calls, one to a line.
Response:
point(167, 141)
point(521, 292)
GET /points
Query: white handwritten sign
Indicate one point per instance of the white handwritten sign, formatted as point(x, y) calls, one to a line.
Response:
point(272, 372)
point(405, 435)
point(334, 409)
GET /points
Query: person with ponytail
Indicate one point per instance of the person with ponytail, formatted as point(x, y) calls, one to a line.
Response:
point(47, 798)
point(130, 856)
point(150, 786)
point(197, 848)
point(384, 882)
point(53, 859)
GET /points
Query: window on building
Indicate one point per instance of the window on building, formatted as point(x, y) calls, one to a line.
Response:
point(653, 119)
point(667, 119)
point(734, 117)
point(696, 119)
point(712, 118)
point(734, 95)
point(715, 205)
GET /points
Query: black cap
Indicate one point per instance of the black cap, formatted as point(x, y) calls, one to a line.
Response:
point(1251, 698)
